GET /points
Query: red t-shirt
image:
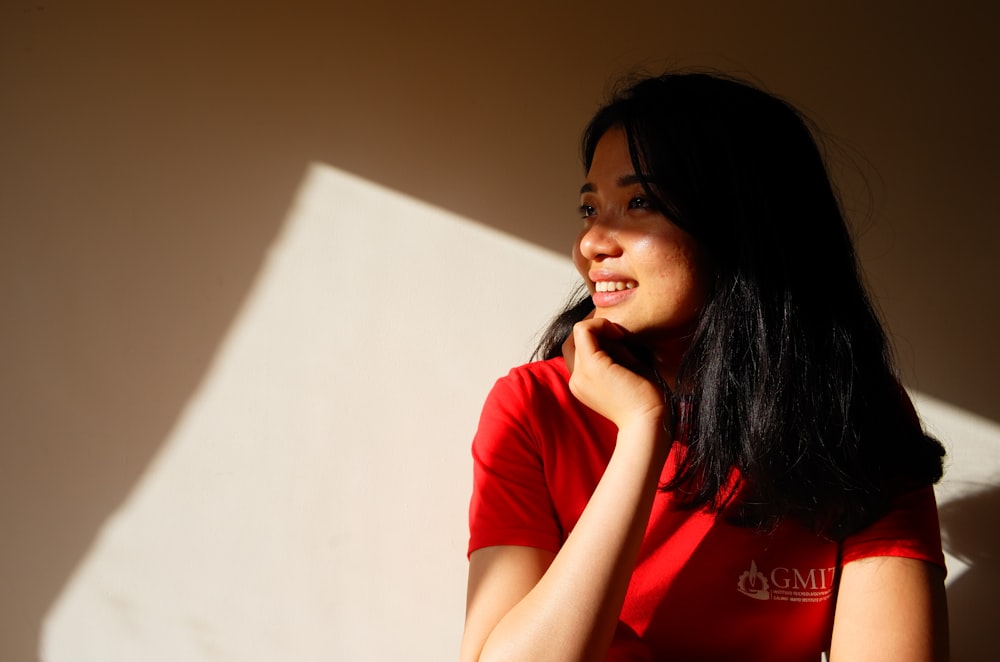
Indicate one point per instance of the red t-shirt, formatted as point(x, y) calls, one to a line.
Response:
point(702, 588)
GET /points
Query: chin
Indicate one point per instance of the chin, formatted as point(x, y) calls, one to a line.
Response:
point(620, 320)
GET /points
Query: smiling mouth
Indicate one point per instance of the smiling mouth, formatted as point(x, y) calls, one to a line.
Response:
point(614, 285)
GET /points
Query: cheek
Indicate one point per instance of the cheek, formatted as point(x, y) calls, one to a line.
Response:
point(696, 280)
point(685, 277)
point(579, 261)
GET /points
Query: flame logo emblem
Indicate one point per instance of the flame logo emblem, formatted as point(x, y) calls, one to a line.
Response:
point(754, 584)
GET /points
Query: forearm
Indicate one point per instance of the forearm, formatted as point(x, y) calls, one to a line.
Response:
point(572, 612)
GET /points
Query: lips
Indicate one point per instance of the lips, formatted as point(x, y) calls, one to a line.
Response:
point(614, 285)
point(610, 287)
point(611, 292)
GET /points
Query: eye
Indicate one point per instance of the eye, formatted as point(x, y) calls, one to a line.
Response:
point(639, 203)
point(586, 211)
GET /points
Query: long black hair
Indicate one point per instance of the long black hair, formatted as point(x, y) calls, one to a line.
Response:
point(789, 371)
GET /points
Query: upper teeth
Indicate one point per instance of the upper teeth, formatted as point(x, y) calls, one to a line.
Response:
point(612, 286)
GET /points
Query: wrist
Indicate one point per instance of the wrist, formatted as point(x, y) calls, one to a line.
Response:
point(651, 424)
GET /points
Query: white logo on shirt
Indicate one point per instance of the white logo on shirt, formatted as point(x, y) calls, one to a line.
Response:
point(787, 584)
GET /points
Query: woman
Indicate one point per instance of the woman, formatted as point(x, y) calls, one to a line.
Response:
point(714, 460)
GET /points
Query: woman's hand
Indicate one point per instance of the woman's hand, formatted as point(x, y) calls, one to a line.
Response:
point(607, 376)
point(530, 604)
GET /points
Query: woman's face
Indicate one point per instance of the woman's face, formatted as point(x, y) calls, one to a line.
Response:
point(643, 272)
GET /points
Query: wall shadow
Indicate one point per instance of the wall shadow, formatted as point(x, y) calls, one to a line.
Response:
point(970, 534)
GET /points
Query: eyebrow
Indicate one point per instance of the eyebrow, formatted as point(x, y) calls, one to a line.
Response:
point(623, 181)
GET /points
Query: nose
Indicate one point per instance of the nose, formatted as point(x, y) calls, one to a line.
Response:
point(599, 241)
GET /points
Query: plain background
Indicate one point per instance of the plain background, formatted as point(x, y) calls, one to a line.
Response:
point(152, 152)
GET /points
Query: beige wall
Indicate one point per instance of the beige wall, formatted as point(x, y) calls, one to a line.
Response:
point(151, 152)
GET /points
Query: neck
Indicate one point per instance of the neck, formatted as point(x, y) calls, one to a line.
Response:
point(667, 356)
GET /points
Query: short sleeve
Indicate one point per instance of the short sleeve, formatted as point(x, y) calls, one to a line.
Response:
point(910, 529)
point(511, 503)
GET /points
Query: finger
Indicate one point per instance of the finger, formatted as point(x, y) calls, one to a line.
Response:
point(617, 344)
point(601, 327)
point(569, 352)
point(622, 354)
point(584, 338)
point(595, 340)
point(593, 335)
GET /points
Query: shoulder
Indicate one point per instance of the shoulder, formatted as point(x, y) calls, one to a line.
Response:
point(909, 529)
point(551, 374)
point(533, 403)
point(540, 383)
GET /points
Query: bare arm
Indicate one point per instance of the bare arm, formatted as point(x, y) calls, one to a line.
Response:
point(526, 604)
point(889, 609)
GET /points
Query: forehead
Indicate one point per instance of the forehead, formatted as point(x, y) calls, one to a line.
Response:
point(612, 164)
point(611, 152)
